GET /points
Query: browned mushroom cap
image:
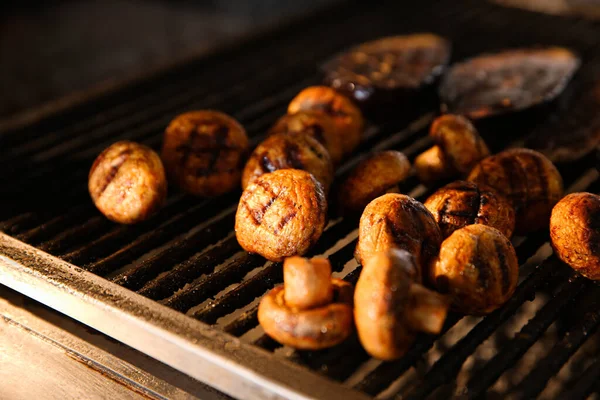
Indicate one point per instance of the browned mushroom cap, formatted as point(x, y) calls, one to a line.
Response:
point(390, 306)
point(379, 174)
point(463, 203)
point(312, 329)
point(127, 182)
point(298, 151)
point(348, 118)
point(281, 214)
point(506, 81)
point(458, 148)
point(383, 70)
point(315, 124)
point(203, 152)
point(529, 181)
point(307, 282)
point(396, 221)
point(575, 233)
point(478, 268)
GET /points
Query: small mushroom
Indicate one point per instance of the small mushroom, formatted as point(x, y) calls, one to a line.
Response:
point(312, 310)
point(463, 203)
point(315, 124)
point(458, 148)
point(348, 118)
point(575, 233)
point(377, 175)
point(298, 151)
point(391, 306)
point(203, 152)
point(478, 268)
point(281, 214)
point(529, 181)
point(397, 221)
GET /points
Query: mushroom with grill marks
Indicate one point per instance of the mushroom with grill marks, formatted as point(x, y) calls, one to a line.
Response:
point(377, 175)
point(281, 151)
point(203, 152)
point(281, 214)
point(529, 181)
point(478, 268)
point(397, 221)
point(348, 119)
point(391, 306)
point(575, 232)
point(463, 203)
point(458, 148)
point(312, 310)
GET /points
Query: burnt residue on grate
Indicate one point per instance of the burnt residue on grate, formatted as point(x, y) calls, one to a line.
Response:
point(187, 256)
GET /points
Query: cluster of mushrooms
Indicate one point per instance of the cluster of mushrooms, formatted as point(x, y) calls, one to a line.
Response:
point(419, 260)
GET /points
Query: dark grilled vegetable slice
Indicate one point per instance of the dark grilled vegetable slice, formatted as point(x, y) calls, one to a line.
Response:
point(507, 81)
point(388, 70)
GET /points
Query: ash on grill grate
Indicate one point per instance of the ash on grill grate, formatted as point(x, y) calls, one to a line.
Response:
point(187, 257)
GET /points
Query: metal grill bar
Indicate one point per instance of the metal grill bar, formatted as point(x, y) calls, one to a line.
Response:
point(585, 385)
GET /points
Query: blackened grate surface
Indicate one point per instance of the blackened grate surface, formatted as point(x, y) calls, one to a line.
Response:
point(187, 256)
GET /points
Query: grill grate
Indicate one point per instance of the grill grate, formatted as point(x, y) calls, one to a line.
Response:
point(187, 257)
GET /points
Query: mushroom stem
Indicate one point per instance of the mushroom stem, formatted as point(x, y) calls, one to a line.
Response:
point(307, 282)
point(432, 165)
point(426, 310)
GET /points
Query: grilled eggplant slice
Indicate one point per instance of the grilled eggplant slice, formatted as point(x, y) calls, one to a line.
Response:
point(507, 81)
point(386, 71)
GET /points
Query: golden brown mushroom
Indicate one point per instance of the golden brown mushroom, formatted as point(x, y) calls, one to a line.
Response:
point(281, 214)
point(463, 203)
point(298, 151)
point(478, 268)
point(575, 233)
point(127, 182)
point(396, 221)
point(391, 306)
point(321, 318)
point(348, 118)
point(458, 148)
point(529, 181)
point(379, 174)
point(203, 152)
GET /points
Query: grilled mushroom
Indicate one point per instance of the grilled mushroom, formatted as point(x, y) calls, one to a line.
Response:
point(396, 221)
point(575, 233)
point(529, 181)
point(379, 174)
point(203, 152)
point(127, 182)
point(510, 80)
point(458, 148)
point(391, 306)
point(281, 214)
point(348, 118)
point(281, 151)
point(463, 203)
point(315, 124)
point(478, 268)
point(312, 310)
point(388, 70)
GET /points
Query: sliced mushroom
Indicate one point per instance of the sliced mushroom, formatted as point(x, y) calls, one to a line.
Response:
point(458, 148)
point(348, 118)
point(478, 268)
point(324, 317)
point(575, 233)
point(391, 306)
point(379, 174)
point(397, 221)
point(507, 81)
point(529, 181)
point(463, 203)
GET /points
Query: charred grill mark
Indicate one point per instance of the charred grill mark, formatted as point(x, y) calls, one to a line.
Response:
point(292, 155)
point(252, 213)
point(114, 168)
point(400, 236)
point(220, 137)
point(314, 150)
point(443, 212)
point(541, 175)
point(285, 220)
point(266, 164)
point(503, 267)
point(317, 133)
point(511, 165)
